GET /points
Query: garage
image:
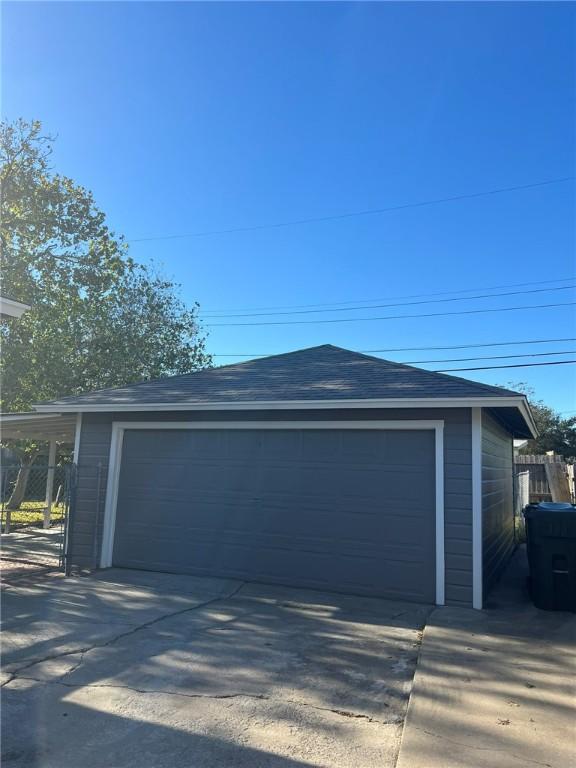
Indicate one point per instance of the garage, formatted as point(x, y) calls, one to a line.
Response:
point(350, 510)
point(322, 468)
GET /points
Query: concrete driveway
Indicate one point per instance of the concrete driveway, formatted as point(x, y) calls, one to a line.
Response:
point(33, 545)
point(29, 550)
point(128, 668)
point(495, 687)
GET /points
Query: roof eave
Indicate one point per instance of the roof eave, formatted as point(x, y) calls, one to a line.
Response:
point(518, 401)
point(526, 412)
point(38, 426)
point(12, 307)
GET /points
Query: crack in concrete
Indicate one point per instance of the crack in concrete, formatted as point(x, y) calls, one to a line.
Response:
point(211, 627)
point(16, 675)
point(482, 749)
point(132, 631)
point(216, 696)
point(76, 666)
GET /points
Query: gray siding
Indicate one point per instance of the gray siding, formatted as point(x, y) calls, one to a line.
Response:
point(95, 445)
point(497, 499)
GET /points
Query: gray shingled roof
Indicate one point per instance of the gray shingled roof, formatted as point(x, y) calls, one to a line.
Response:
point(317, 373)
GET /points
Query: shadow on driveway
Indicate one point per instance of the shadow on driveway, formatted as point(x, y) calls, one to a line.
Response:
point(495, 687)
point(127, 668)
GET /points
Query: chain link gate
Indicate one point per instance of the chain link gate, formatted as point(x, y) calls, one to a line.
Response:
point(33, 497)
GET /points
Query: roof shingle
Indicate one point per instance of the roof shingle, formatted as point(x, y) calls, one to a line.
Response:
point(317, 373)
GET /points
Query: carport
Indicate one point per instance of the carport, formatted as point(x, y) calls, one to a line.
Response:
point(53, 428)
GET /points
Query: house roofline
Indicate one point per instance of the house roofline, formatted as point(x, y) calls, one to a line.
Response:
point(7, 418)
point(12, 307)
point(526, 411)
point(519, 402)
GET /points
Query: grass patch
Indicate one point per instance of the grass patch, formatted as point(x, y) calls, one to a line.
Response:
point(519, 529)
point(32, 513)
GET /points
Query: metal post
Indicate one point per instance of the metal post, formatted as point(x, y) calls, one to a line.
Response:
point(50, 483)
point(99, 474)
point(6, 512)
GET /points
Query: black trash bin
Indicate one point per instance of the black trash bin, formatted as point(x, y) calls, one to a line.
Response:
point(551, 543)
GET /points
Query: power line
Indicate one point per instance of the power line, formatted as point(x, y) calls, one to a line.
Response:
point(492, 357)
point(400, 304)
point(472, 346)
point(224, 312)
point(516, 365)
point(336, 217)
point(421, 349)
point(391, 317)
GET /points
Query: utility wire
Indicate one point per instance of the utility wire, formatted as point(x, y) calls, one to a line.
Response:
point(421, 349)
point(472, 346)
point(391, 317)
point(492, 357)
point(400, 304)
point(516, 365)
point(336, 217)
point(225, 312)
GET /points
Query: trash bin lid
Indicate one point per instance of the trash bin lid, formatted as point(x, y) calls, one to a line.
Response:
point(554, 506)
point(550, 510)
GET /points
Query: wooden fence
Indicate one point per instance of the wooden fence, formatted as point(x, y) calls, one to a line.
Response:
point(551, 478)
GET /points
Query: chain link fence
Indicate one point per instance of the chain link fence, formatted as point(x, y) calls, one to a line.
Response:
point(23, 496)
point(34, 541)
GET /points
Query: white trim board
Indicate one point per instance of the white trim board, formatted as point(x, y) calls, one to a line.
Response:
point(368, 402)
point(397, 402)
point(519, 402)
point(8, 418)
point(413, 424)
point(119, 427)
point(77, 434)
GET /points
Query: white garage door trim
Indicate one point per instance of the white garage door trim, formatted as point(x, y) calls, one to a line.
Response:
point(118, 428)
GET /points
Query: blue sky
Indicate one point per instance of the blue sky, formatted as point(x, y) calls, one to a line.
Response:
point(189, 117)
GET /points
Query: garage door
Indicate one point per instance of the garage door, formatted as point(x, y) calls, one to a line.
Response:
point(333, 509)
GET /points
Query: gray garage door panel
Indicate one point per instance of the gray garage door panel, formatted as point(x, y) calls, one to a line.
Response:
point(344, 510)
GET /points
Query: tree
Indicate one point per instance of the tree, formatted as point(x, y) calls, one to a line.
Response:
point(555, 433)
point(98, 318)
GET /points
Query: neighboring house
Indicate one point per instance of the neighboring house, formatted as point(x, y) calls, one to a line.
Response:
point(320, 468)
point(12, 308)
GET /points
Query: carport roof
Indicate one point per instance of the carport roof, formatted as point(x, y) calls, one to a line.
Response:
point(38, 426)
point(10, 307)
